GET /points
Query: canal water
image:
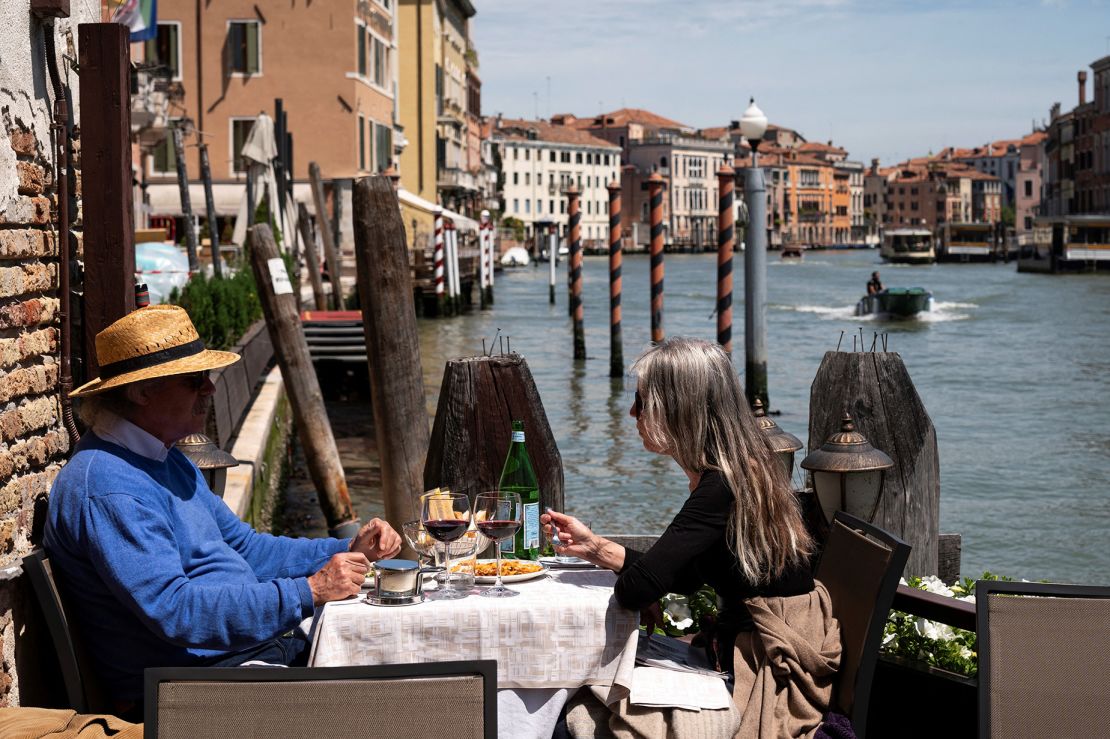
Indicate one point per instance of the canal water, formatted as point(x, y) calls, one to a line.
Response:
point(1013, 369)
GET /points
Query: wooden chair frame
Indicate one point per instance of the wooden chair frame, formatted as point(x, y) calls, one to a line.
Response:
point(986, 588)
point(873, 640)
point(486, 668)
point(82, 691)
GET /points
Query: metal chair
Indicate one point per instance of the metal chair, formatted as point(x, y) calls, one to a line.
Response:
point(860, 566)
point(83, 692)
point(1044, 659)
point(412, 701)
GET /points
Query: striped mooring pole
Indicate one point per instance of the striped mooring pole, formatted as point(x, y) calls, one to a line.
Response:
point(616, 346)
point(485, 257)
point(726, 243)
point(552, 258)
point(655, 196)
point(454, 289)
point(437, 261)
point(575, 272)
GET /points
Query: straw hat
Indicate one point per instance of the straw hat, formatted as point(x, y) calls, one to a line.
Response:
point(155, 341)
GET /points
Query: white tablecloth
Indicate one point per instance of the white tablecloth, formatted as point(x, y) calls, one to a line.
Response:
point(563, 631)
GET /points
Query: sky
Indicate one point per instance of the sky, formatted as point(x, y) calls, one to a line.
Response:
point(890, 79)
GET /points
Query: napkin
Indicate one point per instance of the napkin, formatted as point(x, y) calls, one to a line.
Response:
point(662, 688)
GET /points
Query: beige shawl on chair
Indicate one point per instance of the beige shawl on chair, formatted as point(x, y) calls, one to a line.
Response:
point(785, 668)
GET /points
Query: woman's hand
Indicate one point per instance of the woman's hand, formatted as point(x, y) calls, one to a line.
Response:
point(576, 540)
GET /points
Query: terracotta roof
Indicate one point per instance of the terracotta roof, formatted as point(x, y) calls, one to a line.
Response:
point(817, 146)
point(518, 130)
point(624, 116)
point(1034, 138)
point(717, 132)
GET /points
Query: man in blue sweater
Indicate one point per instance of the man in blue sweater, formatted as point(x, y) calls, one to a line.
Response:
point(160, 570)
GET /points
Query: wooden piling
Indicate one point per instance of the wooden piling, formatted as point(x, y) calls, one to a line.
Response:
point(186, 201)
point(280, 305)
point(320, 298)
point(876, 389)
point(552, 261)
point(616, 345)
point(655, 196)
point(483, 229)
point(576, 308)
point(392, 345)
point(726, 243)
point(327, 237)
point(479, 398)
point(489, 256)
point(210, 209)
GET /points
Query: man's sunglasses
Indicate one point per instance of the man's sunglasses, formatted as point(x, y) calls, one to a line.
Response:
point(195, 380)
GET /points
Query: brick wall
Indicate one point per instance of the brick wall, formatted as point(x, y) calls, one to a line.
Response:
point(33, 443)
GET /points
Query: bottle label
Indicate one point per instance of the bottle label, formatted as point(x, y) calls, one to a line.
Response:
point(508, 546)
point(518, 436)
point(531, 525)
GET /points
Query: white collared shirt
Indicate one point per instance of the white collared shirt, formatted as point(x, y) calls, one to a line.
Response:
point(122, 432)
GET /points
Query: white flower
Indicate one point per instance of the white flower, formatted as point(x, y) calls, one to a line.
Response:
point(933, 630)
point(934, 584)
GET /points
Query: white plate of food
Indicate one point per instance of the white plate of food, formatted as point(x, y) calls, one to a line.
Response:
point(512, 570)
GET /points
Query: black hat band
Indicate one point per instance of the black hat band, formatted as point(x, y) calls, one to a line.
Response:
point(145, 361)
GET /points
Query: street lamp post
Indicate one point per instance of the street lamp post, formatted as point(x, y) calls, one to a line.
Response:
point(753, 124)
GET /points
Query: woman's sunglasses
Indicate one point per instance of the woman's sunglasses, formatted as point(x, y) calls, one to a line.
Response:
point(638, 403)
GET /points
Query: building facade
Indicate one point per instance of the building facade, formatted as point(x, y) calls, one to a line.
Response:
point(1027, 189)
point(540, 160)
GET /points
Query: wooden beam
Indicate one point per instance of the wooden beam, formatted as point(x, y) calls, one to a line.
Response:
point(331, 254)
point(106, 180)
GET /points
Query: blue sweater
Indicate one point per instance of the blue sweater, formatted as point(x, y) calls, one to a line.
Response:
point(160, 572)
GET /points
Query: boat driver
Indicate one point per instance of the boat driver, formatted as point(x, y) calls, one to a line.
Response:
point(874, 285)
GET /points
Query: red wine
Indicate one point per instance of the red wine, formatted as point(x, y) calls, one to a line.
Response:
point(446, 529)
point(498, 530)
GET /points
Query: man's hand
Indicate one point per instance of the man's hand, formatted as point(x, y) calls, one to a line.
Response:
point(340, 578)
point(377, 540)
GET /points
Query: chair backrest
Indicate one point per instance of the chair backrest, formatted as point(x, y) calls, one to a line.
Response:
point(433, 699)
point(860, 566)
point(82, 689)
point(1044, 659)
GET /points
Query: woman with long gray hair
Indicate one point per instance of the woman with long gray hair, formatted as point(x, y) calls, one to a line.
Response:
point(739, 531)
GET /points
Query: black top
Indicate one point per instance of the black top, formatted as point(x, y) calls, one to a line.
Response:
point(694, 551)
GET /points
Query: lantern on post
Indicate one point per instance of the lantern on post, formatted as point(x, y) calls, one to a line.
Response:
point(848, 473)
point(212, 461)
point(783, 444)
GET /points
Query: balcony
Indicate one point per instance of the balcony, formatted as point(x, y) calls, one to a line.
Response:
point(455, 178)
point(810, 215)
point(152, 92)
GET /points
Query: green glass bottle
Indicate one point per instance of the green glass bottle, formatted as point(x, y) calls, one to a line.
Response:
point(517, 476)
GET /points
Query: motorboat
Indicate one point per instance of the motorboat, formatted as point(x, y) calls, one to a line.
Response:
point(896, 302)
point(908, 246)
point(517, 256)
point(792, 252)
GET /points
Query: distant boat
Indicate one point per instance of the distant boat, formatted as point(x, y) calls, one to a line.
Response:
point(793, 252)
point(908, 246)
point(896, 302)
point(517, 256)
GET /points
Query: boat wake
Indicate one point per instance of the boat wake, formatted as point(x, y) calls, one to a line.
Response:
point(942, 311)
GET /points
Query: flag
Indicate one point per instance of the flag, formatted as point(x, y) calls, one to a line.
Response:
point(141, 16)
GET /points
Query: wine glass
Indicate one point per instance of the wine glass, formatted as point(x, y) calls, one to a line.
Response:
point(420, 541)
point(498, 517)
point(446, 517)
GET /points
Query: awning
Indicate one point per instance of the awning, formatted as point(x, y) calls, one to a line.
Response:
point(165, 198)
point(462, 223)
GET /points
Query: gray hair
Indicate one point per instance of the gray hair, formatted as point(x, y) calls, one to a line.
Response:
point(115, 401)
point(695, 409)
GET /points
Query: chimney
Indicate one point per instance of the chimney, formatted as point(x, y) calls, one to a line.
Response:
point(875, 165)
point(1082, 77)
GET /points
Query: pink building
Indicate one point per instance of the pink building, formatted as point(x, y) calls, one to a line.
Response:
point(1027, 196)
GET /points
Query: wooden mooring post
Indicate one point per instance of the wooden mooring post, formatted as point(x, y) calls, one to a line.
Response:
point(321, 299)
point(392, 345)
point(210, 211)
point(327, 236)
point(280, 305)
point(186, 201)
point(577, 309)
point(655, 196)
point(616, 344)
point(726, 243)
point(876, 389)
point(479, 399)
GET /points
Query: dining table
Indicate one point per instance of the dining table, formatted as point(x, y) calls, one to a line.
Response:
point(562, 632)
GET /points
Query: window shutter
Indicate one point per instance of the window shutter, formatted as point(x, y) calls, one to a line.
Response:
point(254, 62)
